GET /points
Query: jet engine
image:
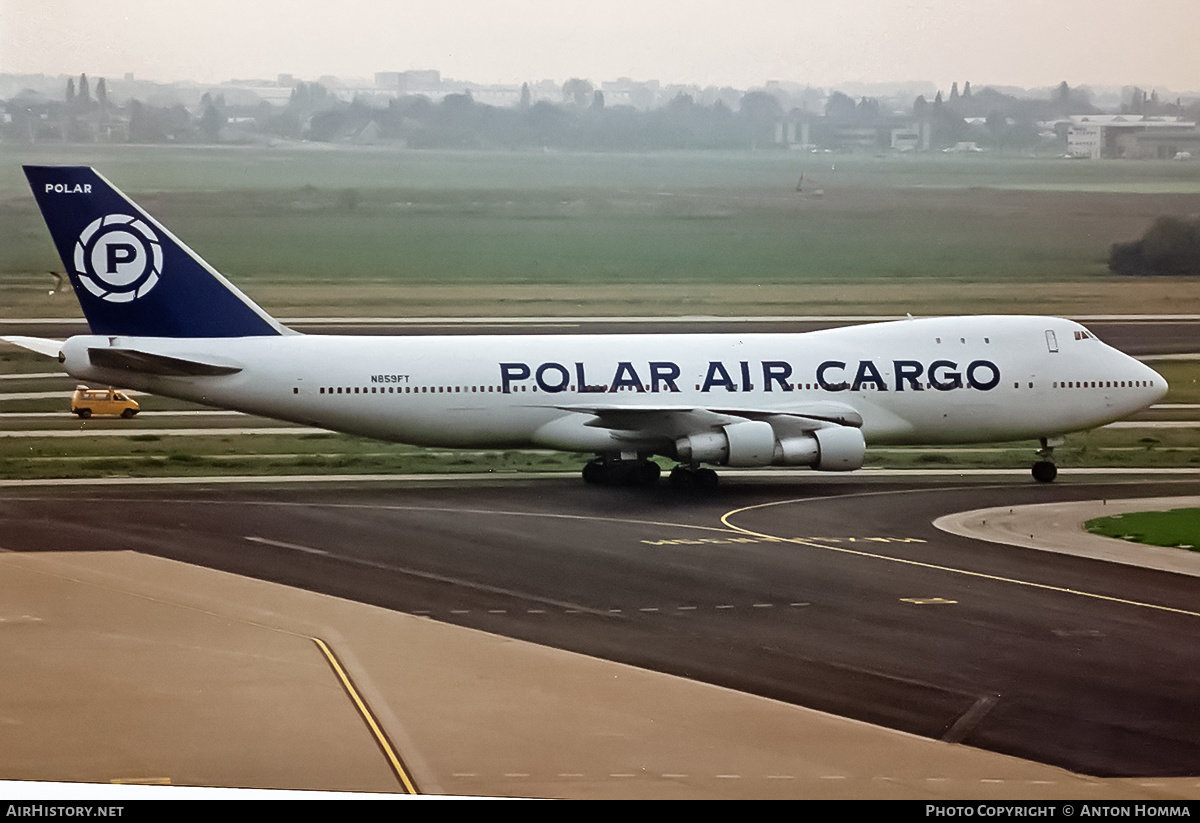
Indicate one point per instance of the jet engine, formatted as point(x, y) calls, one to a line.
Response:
point(753, 443)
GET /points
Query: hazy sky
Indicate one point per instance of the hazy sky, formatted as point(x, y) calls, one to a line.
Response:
point(742, 43)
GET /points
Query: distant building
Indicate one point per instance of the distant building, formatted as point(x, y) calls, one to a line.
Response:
point(785, 132)
point(32, 116)
point(794, 132)
point(624, 91)
point(410, 82)
point(907, 138)
point(856, 138)
point(1179, 143)
point(1130, 135)
point(370, 135)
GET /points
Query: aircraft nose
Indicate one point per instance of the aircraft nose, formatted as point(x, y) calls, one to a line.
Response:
point(1158, 384)
point(1155, 385)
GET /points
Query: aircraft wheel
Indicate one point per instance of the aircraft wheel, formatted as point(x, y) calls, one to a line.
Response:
point(593, 472)
point(685, 477)
point(1044, 471)
point(646, 473)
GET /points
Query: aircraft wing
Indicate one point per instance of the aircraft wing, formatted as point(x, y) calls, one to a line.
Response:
point(630, 422)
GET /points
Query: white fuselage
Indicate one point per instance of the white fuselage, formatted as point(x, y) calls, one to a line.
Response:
point(926, 381)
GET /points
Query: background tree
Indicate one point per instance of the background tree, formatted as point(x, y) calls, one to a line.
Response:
point(997, 125)
point(1171, 247)
point(840, 107)
point(212, 117)
point(867, 110)
point(578, 91)
point(760, 112)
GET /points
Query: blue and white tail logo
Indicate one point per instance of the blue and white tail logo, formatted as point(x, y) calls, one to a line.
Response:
point(131, 275)
point(118, 258)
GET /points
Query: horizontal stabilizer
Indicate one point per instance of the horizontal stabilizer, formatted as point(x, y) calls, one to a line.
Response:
point(147, 363)
point(41, 345)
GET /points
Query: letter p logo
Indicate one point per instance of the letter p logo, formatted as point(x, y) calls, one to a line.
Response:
point(118, 254)
point(118, 258)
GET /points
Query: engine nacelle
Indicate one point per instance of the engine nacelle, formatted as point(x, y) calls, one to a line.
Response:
point(840, 449)
point(753, 443)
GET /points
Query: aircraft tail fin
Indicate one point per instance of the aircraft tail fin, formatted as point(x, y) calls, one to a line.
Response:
point(132, 276)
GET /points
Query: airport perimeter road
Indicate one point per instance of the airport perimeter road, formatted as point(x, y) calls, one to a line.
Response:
point(836, 594)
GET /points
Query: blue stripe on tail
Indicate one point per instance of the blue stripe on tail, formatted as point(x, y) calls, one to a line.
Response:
point(131, 275)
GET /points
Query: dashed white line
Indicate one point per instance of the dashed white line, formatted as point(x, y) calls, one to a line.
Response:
point(293, 546)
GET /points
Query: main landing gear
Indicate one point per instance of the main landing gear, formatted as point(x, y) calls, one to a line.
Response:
point(1044, 470)
point(620, 472)
point(631, 471)
point(693, 477)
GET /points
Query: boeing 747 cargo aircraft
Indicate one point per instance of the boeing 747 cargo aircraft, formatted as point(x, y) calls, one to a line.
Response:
point(164, 321)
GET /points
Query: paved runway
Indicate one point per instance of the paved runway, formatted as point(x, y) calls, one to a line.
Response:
point(787, 636)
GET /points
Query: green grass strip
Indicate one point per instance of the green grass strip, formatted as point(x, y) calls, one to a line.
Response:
point(1179, 528)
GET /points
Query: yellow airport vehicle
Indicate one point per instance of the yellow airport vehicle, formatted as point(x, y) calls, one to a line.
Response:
point(85, 402)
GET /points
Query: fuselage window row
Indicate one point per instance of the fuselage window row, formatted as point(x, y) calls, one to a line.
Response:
point(1105, 384)
point(1071, 384)
point(403, 390)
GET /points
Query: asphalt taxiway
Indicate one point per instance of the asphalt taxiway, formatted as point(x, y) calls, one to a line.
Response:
point(785, 636)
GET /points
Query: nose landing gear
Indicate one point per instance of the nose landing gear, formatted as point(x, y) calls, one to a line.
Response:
point(1044, 470)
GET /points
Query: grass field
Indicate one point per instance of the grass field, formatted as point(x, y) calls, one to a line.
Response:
point(322, 230)
point(1183, 377)
point(1179, 528)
